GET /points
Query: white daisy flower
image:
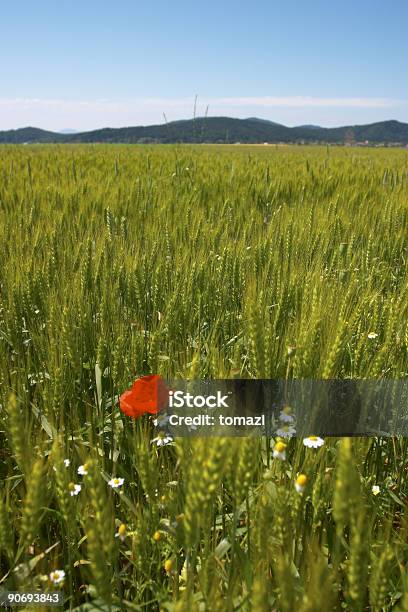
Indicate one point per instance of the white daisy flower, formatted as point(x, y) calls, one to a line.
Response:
point(375, 489)
point(162, 439)
point(372, 335)
point(286, 431)
point(67, 462)
point(57, 576)
point(115, 483)
point(279, 451)
point(300, 483)
point(121, 532)
point(74, 489)
point(313, 442)
point(83, 470)
point(285, 415)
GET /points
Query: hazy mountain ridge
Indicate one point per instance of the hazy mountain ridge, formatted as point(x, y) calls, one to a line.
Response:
point(29, 134)
point(219, 130)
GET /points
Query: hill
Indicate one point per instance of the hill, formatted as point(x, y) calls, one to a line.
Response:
point(29, 135)
point(220, 130)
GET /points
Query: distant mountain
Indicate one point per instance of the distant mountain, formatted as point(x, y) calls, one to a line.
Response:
point(68, 131)
point(29, 135)
point(221, 130)
point(200, 129)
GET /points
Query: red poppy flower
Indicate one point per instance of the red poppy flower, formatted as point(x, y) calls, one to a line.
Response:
point(148, 394)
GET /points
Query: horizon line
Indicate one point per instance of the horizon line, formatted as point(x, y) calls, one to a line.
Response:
point(73, 131)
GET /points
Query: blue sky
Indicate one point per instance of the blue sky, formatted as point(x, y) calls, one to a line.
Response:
point(89, 64)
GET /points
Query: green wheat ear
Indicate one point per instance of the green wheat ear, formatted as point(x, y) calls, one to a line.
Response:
point(17, 433)
point(357, 565)
point(259, 595)
point(6, 532)
point(346, 487)
point(256, 336)
point(100, 530)
point(245, 466)
point(381, 572)
point(32, 503)
point(207, 466)
point(62, 482)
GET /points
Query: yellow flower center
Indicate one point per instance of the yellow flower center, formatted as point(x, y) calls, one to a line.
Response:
point(122, 529)
point(312, 438)
point(301, 480)
point(280, 447)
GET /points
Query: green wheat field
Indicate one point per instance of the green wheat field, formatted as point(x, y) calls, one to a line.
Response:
point(198, 262)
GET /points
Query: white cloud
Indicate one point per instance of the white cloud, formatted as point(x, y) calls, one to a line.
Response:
point(306, 101)
point(128, 104)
